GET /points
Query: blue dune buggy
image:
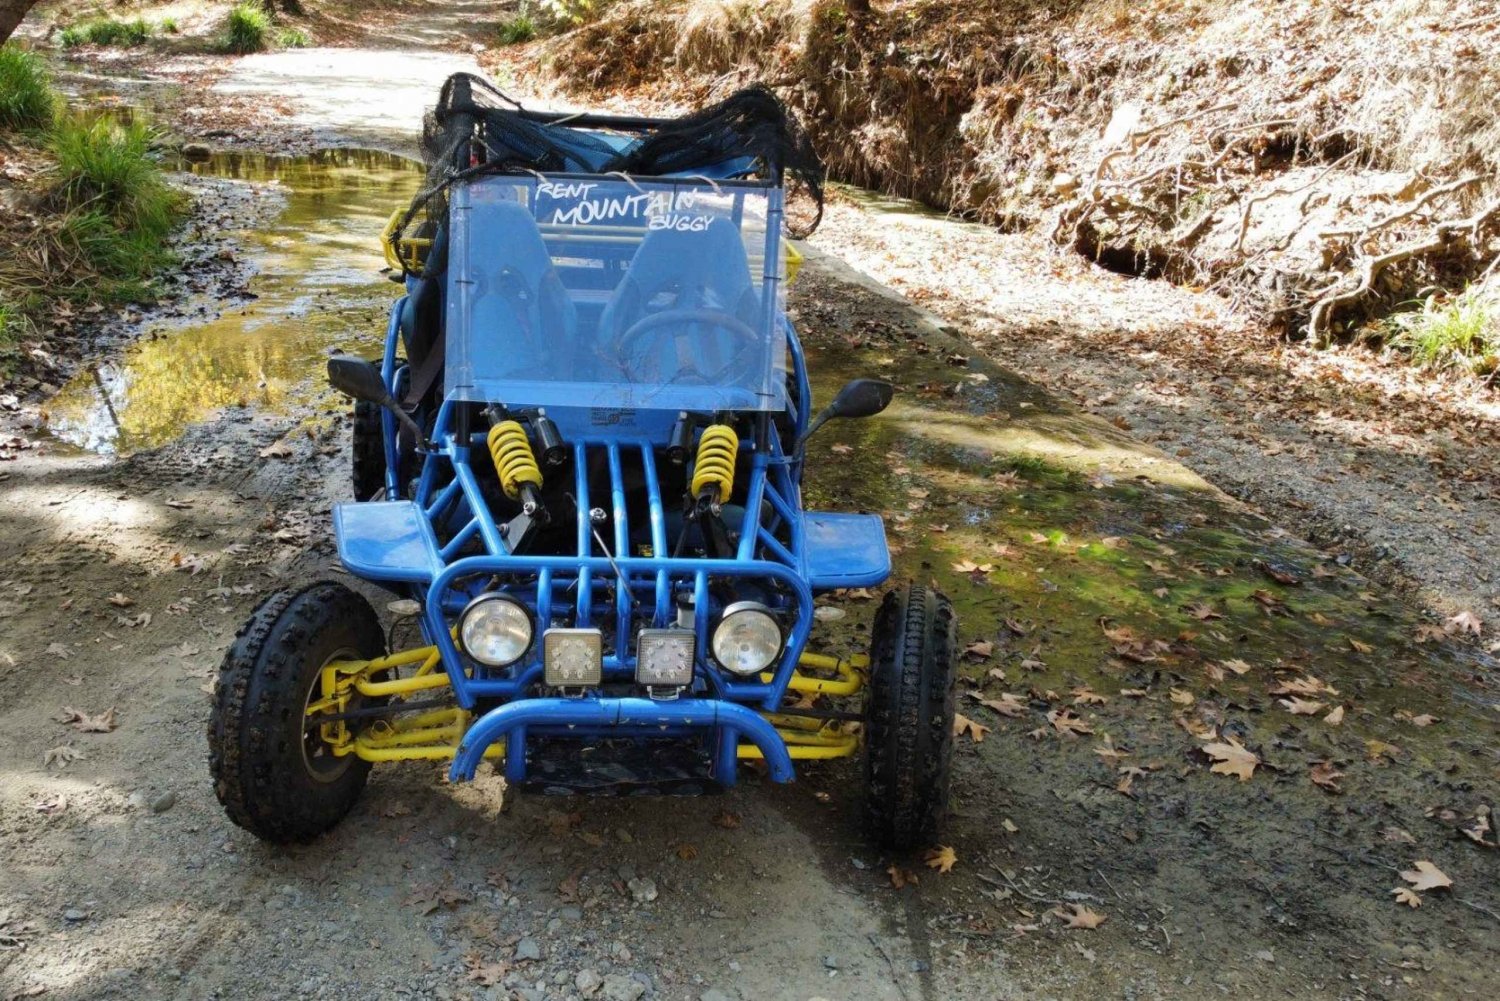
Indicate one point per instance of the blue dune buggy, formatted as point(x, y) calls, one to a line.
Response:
point(578, 467)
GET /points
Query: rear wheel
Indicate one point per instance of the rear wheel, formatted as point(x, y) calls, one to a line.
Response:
point(909, 718)
point(369, 450)
point(276, 777)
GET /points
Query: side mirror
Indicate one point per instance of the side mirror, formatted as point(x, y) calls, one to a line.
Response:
point(861, 398)
point(858, 398)
point(361, 380)
point(357, 378)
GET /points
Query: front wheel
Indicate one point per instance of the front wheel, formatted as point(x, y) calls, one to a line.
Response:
point(909, 718)
point(274, 774)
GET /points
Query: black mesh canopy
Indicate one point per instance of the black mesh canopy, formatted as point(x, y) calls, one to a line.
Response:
point(475, 128)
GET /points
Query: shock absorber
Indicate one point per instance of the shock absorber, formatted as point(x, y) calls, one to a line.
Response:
point(714, 468)
point(515, 464)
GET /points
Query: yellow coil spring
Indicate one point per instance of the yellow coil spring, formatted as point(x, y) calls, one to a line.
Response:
point(514, 462)
point(717, 450)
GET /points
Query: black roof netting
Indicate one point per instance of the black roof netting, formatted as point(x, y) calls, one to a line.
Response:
point(476, 128)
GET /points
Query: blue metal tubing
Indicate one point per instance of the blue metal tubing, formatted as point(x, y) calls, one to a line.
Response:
point(622, 717)
point(623, 598)
point(658, 536)
point(585, 527)
point(388, 432)
point(799, 369)
point(475, 496)
point(757, 557)
point(467, 690)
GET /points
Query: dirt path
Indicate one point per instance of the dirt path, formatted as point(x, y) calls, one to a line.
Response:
point(1132, 614)
point(376, 91)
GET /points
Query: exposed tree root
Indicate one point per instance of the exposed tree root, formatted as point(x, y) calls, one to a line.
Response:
point(1445, 237)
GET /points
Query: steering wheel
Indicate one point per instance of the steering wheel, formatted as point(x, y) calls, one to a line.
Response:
point(681, 319)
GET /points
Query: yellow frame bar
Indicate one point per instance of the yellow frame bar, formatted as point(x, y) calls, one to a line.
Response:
point(435, 735)
point(413, 246)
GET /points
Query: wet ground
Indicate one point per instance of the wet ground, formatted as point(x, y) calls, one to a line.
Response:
point(1119, 616)
point(317, 289)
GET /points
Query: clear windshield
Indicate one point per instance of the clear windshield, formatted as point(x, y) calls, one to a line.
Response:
point(614, 292)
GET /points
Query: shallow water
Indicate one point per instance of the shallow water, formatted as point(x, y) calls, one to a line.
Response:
point(318, 286)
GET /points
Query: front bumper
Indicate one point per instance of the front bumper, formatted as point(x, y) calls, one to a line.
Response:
point(726, 723)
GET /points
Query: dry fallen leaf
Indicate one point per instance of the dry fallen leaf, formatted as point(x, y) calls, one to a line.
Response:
point(1232, 759)
point(980, 650)
point(1181, 696)
point(1109, 752)
point(1080, 916)
point(962, 724)
point(1335, 716)
point(1300, 707)
point(484, 973)
point(970, 567)
point(1324, 774)
point(1464, 622)
point(1202, 611)
point(1424, 719)
point(1237, 666)
point(1065, 722)
point(1118, 634)
point(1009, 704)
point(941, 858)
point(62, 755)
point(1476, 829)
point(1425, 876)
point(276, 450)
point(1128, 775)
point(1405, 895)
point(727, 820)
point(120, 600)
point(1083, 695)
point(1359, 647)
point(85, 723)
point(687, 852)
point(901, 878)
point(1302, 686)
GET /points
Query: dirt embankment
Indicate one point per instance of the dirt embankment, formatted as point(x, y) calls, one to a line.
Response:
point(1320, 163)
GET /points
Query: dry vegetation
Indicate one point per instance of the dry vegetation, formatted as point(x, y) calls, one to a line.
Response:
point(1322, 164)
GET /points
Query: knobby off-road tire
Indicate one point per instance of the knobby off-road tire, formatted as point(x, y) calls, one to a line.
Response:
point(369, 450)
point(909, 718)
point(270, 777)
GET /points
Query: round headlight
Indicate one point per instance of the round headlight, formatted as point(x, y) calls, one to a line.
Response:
point(495, 630)
point(747, 639)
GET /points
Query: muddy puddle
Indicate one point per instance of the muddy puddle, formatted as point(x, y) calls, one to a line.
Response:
point(317, 287)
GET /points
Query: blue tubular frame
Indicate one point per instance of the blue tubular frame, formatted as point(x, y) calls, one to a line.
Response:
point(721, 708)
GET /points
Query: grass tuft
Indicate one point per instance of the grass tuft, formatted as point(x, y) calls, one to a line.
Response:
point(27, 102)
point(10, 332)
point(109, 166)
point(106, 31)
point(520, 28)
point(292, 38)
point(169, 26)
point(1462, 332)
point(247, 30)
